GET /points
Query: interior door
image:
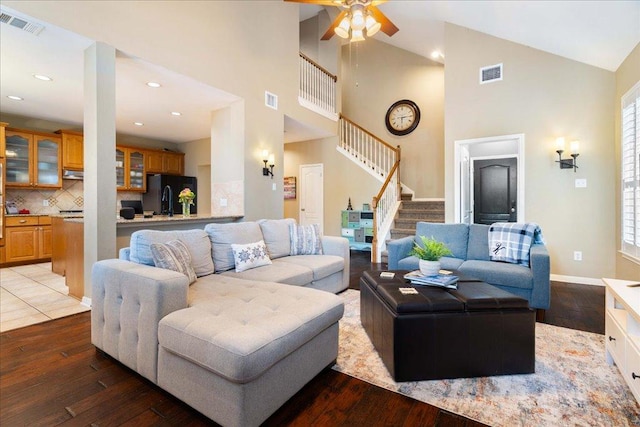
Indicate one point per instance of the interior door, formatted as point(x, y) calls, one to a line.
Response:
point(311, 195)
point(495, 190)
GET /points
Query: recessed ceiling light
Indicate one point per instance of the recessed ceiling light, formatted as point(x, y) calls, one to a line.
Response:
point(42, 77)
point(153, 84)
point(15, 98)
point(176, 113)
point(138, 123)
point(437, 54)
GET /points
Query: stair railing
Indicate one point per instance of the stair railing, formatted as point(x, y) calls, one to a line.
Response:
point(317, 87)
point(382, 160)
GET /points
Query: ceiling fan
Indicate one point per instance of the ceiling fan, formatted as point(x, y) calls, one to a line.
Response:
point(358, 17)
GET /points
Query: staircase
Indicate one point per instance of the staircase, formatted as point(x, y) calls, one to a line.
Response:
point(411, 212)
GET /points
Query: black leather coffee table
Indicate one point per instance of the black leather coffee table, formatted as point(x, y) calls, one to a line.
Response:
point(474, 331)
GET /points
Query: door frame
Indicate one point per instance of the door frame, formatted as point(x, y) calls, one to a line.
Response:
point(518, 153)
point(300, 191)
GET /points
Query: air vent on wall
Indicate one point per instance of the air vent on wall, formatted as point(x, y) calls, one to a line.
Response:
point(271, 100)
point(21, 23)
point(492, 73)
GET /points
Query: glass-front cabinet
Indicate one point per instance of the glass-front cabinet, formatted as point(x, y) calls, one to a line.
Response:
point(130, 170)
point(32, 160)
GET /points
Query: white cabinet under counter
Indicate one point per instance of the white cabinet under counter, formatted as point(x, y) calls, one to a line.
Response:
point(622, 330)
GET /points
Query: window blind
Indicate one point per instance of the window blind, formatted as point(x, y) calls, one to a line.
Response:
point(630, 199)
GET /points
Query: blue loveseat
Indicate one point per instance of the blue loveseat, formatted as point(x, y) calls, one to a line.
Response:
point(470, 247)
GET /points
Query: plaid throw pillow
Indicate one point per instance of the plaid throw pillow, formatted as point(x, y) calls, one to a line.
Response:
point(305, 239)
point(173, 255)
point(249, 256)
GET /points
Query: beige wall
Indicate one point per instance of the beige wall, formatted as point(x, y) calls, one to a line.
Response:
point(197, 162)
point(342, 180)
point(627, 75)
point(543, 96)
point(243, 48)
point(375, 75)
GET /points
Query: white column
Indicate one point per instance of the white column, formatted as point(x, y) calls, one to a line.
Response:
point(99, 157)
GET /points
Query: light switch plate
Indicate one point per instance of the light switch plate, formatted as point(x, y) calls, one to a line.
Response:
point(223, 202)
point(581, 183)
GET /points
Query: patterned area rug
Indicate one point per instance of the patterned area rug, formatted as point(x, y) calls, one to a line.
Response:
point(572, 385)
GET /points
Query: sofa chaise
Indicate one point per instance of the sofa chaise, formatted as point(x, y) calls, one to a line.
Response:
point(235, 345)
point(471, 256)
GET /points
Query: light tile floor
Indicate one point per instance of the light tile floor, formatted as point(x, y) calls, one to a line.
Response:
point(32, 294)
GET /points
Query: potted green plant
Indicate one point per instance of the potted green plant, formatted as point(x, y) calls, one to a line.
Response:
point(429, 254)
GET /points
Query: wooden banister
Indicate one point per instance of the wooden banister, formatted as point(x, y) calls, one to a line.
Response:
point(319, 67)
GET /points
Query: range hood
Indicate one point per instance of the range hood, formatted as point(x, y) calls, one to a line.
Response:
point(69, 174)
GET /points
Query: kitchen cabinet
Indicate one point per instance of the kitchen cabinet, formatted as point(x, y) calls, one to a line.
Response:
point(164, 162)
point(130, 169)
point(33, 160)
point(2, 195)
point(27, 238)
point(72, 150)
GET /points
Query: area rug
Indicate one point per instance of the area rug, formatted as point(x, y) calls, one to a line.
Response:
point(572, 385)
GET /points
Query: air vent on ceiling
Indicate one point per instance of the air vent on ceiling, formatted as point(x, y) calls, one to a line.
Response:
point(21, 23)
point(492, 73)
point(271, 100)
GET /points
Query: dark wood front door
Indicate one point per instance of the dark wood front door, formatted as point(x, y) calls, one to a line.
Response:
point(495, 190)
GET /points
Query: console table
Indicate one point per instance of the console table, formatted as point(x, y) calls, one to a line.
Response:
point(622, 330)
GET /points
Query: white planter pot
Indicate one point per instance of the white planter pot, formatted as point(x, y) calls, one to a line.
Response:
point(429, 268)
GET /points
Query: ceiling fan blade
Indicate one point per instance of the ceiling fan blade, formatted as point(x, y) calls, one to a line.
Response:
point(387, 26)
point(320, 2)
point(334, 24)
point(377, 2)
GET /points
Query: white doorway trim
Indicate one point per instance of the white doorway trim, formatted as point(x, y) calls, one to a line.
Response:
point(466, 146)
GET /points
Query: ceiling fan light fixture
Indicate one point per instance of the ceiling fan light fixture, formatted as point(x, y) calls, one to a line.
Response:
point(372, 25)
point(357, 36)
point(357, 18)
point(342, 30)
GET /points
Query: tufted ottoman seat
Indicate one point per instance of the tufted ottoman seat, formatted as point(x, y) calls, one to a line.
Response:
point(241, 349)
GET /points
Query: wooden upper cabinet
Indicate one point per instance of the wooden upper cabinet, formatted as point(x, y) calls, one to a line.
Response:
point(164, 162)
point(130, 169)
point(2, 147)
point(174, 163)
point(32, 159)
point(154, 161)
point(72, 150)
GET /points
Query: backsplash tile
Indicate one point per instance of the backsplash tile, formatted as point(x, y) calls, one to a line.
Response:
point(69, 197)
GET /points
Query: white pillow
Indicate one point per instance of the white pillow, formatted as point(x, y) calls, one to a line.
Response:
point(250, 256)
point(173, 255)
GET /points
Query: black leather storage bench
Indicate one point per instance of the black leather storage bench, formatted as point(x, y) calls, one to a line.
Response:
point(474, 331)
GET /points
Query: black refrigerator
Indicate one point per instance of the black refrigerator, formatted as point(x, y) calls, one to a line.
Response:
point(152, 199)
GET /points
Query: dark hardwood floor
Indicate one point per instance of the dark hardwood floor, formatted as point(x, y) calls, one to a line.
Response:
point(50, 374)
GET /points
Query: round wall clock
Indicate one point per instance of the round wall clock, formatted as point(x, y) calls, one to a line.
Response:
point(402, 117)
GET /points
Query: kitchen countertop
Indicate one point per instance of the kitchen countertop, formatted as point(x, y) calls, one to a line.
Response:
point(159, 219)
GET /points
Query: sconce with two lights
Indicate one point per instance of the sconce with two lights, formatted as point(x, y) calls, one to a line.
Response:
point(568, 163)
point(270, 160)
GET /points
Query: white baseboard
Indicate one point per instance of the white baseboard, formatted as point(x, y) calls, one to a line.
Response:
point(577, 279)
point(86, 302)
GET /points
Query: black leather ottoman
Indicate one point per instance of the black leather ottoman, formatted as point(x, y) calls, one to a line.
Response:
point(477, 330)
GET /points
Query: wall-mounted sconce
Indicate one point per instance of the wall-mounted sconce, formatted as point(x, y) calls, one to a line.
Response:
point(270, 160)
point(567, 163)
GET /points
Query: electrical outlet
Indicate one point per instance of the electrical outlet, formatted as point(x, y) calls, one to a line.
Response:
point(581, 183)
point(273, 186)
point(577, 255)
point(223, 202)
point(45, 202)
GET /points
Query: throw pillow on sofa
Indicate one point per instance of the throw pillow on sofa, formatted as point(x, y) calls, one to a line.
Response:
point(305, 239)
point(196, 240)
point(173, 255)
point(250, 256)
point(223, 235)
point(276, 236)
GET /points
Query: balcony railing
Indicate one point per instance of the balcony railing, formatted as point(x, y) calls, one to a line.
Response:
point(317, 88)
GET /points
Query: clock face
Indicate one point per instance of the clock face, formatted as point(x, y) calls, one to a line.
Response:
point(402, 117)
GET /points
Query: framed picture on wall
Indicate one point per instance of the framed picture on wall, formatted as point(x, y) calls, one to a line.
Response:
point(289, 187)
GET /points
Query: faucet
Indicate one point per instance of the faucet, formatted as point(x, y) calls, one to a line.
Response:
point(168, 199)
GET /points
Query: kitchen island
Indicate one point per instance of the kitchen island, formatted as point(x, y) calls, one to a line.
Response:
point(68, 251)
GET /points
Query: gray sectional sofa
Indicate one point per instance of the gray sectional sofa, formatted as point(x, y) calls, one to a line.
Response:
point(470, 247)
point(233, 345)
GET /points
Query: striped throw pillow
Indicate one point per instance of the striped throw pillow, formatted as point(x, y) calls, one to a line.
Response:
point(305, 239)
point(173, 255)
